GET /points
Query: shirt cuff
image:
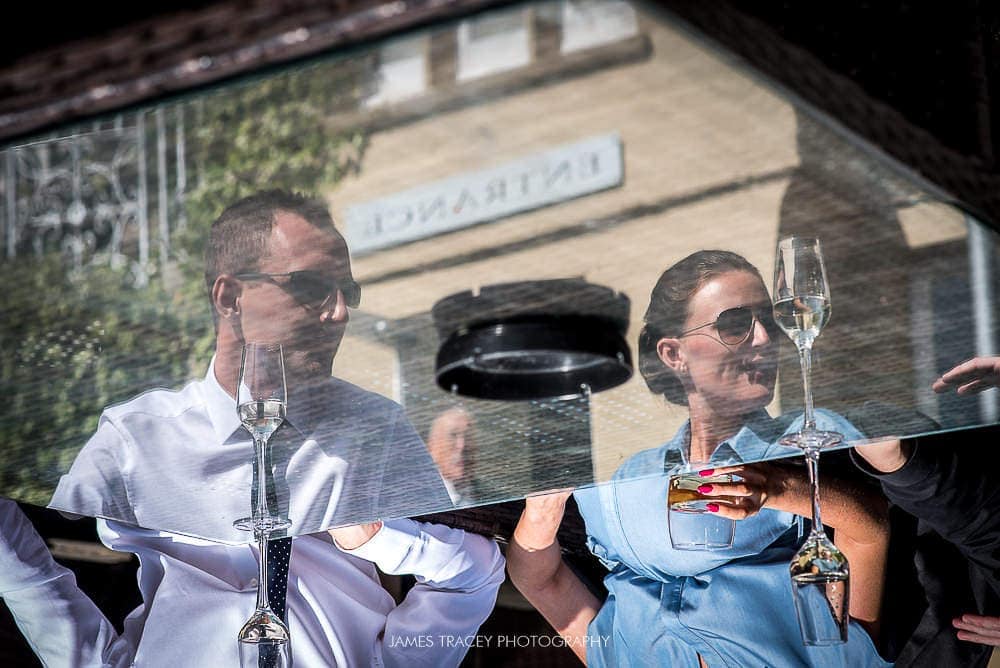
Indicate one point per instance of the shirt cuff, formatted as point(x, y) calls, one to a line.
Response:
point(393, 537)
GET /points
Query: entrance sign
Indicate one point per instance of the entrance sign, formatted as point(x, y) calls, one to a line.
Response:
point(527, 183)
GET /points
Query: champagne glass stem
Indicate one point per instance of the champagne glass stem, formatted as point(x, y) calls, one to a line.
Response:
point(259, 444)
point(262, 602)
point(805, 363)
point(812, 463)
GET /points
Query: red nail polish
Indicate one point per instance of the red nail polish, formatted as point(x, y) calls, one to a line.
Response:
point(704, 489)
point(712, 507)
point(706, 473)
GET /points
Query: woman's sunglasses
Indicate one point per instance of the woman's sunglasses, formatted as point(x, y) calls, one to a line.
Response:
point(311, 288)
point(735, 325)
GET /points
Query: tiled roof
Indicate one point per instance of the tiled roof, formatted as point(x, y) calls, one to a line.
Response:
point(179, 51)
point(950, 139)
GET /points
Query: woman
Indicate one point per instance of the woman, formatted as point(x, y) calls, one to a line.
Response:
point(709, 343)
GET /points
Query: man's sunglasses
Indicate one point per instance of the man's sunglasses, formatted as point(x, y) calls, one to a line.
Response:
point(311, 288)
point(735, 325)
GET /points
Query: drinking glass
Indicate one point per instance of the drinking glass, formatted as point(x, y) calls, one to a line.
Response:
point(801, 309)
point(690, 525)
point(261, 399)
point(264, 639)
point(819, 571)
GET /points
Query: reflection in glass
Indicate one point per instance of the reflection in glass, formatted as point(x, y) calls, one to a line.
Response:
point(819, 570)
point(103, 225)
point(122, 311)
point(452, 444)
point(261, 403)
point(493, 43)
point(802, 309)
point(709, 343)
point(688, 523)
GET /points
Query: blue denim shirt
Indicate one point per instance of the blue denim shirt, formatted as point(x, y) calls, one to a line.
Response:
point(734, 607)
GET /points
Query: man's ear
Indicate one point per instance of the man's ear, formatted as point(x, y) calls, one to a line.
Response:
point(670, 353)
point(226, 294)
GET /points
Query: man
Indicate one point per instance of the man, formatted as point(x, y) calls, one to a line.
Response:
point(180, 462)
point(451, 442)
point(951, 487)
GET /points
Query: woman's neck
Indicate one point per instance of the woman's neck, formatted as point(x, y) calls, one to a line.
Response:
point(709, 429)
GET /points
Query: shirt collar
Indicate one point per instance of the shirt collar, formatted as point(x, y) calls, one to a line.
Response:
point(756, 440)
point(227, 426)
point(221, 407)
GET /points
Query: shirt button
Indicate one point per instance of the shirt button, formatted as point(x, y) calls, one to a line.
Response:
point(253, 582)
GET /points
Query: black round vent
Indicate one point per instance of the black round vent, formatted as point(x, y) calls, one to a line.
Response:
point(533, 340)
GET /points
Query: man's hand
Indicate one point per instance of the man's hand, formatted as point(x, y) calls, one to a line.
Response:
point(970, 377)
point(353, 537)
point(978, 628)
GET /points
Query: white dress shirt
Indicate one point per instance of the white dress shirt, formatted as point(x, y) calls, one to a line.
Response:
point(180, 462)
point(61, 624)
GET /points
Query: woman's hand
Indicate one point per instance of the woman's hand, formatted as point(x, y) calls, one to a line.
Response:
point(539, 523)
point(536, 567)
point(760, 485)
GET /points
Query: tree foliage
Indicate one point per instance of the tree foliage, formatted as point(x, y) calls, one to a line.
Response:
point(73, 342)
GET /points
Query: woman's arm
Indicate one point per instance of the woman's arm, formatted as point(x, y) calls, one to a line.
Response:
point(859, 513)
point(536, 568)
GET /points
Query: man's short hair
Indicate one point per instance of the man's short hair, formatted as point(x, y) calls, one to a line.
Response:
point(239, 237)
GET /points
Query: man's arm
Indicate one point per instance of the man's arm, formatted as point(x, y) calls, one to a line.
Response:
point(458, 575)
point(948, 481)
point(859, 514)
point(95, 484)
point(953, 492)
point(950, 490)
point(61, 624)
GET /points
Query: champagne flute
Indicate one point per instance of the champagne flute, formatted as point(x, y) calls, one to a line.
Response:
point(819, 570)
point(261, 401)
point(264, 640)
point(261, 398)
point(801, 309)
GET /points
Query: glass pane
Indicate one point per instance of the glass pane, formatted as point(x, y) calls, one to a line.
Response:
point(603, 161)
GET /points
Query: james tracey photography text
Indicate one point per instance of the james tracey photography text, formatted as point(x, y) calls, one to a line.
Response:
point(497, 642)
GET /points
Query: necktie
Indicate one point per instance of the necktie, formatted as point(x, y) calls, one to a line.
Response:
point(279, 551)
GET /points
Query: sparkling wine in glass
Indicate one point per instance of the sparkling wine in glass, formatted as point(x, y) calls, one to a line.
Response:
point(802, 309)
point(819, 571)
